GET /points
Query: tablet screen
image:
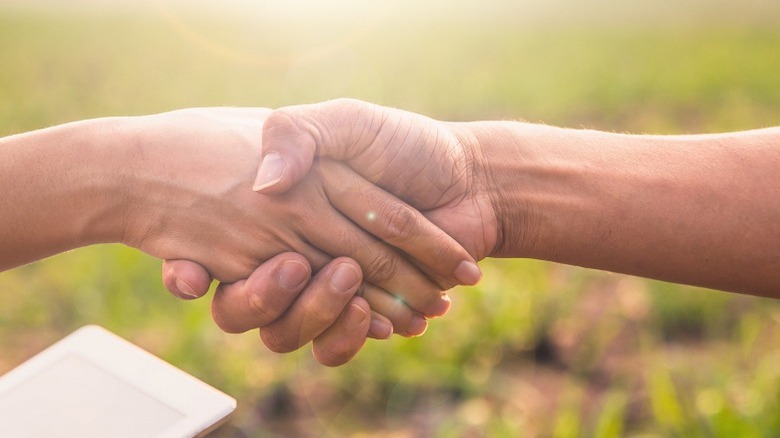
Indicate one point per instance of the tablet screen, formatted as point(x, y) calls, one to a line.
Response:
point(74, 397)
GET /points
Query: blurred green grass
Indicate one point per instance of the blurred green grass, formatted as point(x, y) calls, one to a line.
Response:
point(536, 349)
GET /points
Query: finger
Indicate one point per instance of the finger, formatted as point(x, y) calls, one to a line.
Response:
point(398, 224)
point(404, 321)
point(416, 158)
point(381, 327)
point(185, 279)
point(263, 297)
point(382, 265)
point(343, 339)
point(316, 308)
point(293, 135)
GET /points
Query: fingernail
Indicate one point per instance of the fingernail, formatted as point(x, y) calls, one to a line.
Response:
point(468, 273)
point(355, 316)
point(185, 289)
point(417, 326)
point(380, 328)
point(292, 274)
point(442, 307)
point(271, 170)
point(345, 278)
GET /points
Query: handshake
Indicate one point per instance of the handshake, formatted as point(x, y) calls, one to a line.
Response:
point(361, 217)
point(386, 207)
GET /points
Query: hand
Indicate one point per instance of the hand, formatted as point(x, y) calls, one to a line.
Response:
point(434, 166)
point(290, 310)
point(178, 203)
point(672, 208)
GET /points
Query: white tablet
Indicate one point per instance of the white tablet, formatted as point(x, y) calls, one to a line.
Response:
point(95, 384)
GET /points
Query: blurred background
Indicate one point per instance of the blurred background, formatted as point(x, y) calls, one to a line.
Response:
point(537, 349)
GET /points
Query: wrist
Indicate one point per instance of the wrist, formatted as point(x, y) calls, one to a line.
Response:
point(137, 168)
point(64, 191)
point(500, 155)
point(104, 149)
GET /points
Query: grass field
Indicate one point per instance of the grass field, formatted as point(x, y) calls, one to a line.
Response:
point(537, 349)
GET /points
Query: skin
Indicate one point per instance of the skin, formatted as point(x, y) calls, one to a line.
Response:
point(161, 183)
point(699, 209)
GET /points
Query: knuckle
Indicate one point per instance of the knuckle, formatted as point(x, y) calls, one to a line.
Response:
point(348, 105)
point(293, 121)
point(381, 269)
point(318, 318)
point(282, 119)
point(361, 123)
point(260, 308)
point(276, 342)
point(400, 222)
point(335, 354)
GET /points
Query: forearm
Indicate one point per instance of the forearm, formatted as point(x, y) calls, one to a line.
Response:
point(61, 190)
point(700, 210)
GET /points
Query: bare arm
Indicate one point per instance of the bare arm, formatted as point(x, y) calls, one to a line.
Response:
point(699, 209)
point(62, 189)
point(178, 185)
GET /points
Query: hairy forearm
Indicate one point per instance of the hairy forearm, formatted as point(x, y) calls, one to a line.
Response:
point(60, 190)
point(702, 210)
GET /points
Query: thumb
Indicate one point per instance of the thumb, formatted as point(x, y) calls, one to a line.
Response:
point(294, 135)
point(185, 279)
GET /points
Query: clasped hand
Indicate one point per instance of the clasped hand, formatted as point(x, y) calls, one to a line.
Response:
point(362, 215)
point(405, 260)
